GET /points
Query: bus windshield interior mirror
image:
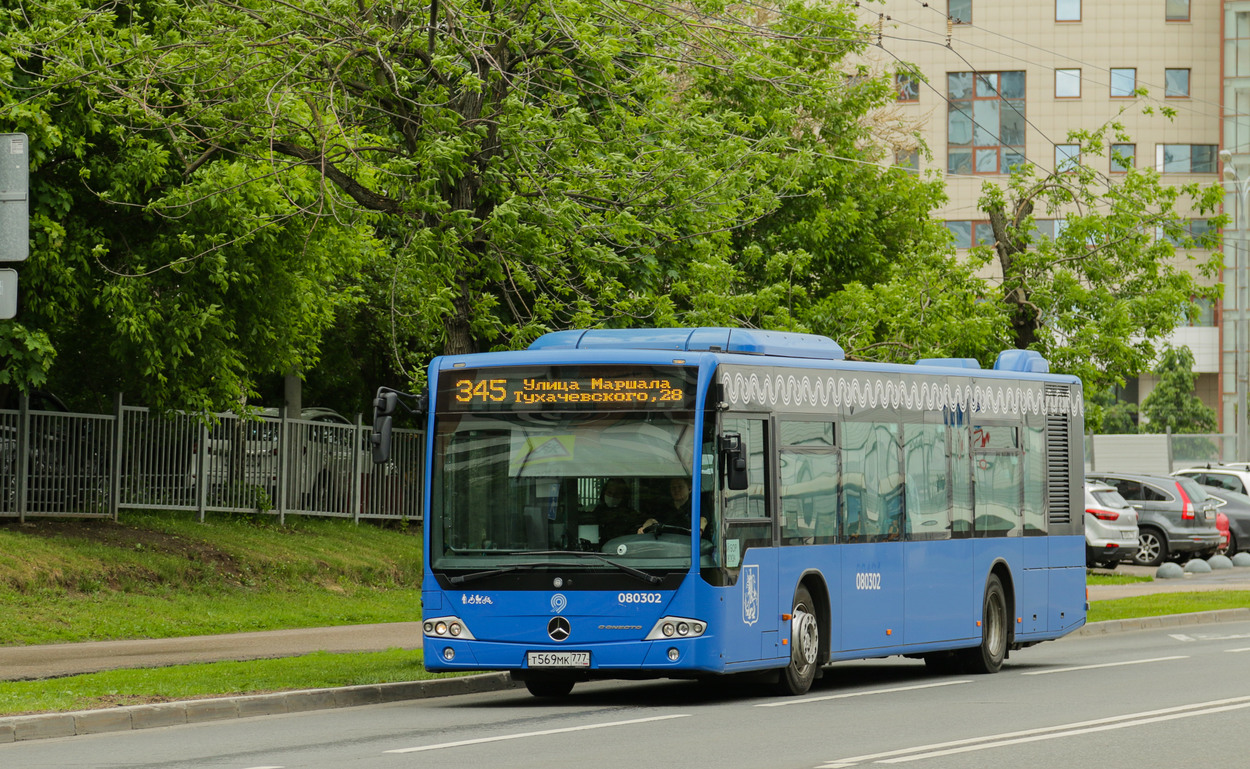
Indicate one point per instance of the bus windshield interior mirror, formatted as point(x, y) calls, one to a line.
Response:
point(734, 454)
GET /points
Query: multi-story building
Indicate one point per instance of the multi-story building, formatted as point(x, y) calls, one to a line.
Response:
point(1004, 81)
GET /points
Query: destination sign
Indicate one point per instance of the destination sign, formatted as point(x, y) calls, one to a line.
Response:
point(566, 387)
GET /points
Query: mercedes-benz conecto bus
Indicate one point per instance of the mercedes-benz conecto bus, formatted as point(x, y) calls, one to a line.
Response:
point(690, 503)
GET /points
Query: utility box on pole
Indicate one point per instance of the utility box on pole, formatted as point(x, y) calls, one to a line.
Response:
point(14, 215)
point(14, 198)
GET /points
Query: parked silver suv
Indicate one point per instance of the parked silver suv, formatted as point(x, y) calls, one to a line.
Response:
point(1111, 534)
point(1175, 516)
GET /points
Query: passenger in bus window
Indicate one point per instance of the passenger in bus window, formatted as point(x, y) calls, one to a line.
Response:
point(614, 514)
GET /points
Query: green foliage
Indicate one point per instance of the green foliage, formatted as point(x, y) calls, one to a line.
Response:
point(1099, 297)
point(229, 190)
point(1173, 404)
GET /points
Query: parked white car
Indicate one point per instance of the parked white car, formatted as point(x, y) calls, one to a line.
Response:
point(319, 463)
point(1110, 527)
point(1234, 476)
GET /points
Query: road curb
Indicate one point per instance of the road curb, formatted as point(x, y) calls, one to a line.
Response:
point(44, 726)
point(1163, 621)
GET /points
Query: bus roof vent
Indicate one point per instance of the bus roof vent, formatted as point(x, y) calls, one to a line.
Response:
point(950, 362)
point(1026, 361)
point(746, 341)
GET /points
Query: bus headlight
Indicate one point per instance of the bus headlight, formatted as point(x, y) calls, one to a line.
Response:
point(676, 627)
point(446, 627)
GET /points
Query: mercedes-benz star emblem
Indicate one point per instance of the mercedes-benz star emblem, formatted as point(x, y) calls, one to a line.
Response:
point(559, 628)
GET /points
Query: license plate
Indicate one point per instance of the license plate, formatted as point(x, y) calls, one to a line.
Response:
point(1129, 535)
point(1210, 516)
point(558, 659)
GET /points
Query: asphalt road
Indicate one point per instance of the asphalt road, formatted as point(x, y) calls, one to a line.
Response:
point(1155, 698)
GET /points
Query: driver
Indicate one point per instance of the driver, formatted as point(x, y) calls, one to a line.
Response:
point(677, 513)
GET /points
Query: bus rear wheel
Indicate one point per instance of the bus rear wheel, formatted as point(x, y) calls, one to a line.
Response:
point(989, 656)
point(549, 687)
point(797, 677)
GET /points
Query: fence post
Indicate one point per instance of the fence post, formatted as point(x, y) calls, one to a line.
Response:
point(115, 473)
point(1171, 457)
point(358, 479)
point(201, 473)
point(23, 455)
point(284, 461)
point(1093, 462)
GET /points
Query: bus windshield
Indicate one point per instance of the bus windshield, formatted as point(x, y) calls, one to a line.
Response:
point(529, 489)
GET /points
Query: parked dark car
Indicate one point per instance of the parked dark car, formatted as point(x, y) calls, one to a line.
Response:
point(1236, 507)
point(1175, 515)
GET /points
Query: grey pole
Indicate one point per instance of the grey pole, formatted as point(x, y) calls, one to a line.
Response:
point(1241, 335)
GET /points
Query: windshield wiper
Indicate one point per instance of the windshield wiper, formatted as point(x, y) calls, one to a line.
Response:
point(647, 577)
point(474, 576)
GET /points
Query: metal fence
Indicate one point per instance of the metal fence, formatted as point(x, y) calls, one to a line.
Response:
point(59, 464)
point(1158, 453)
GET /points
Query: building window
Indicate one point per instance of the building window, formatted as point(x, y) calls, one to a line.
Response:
point(1123, 157)
point(1123, 81)
point(1195, 233)
point(1049, 228)
point(1176, 10)
point(1185, 158)
point(1067, 84)
point(959, 11)
point(907, 158)
point(1067, 10)
point(985, 122)
point(907, 86)
point(967, 234)
point(1067, 158)
point(1176, 82)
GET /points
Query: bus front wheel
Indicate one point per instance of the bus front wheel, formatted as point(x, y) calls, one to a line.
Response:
point(797, 677)
point(989, 656)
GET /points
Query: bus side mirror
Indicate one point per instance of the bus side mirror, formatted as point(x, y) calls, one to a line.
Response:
point(380, 439)
point(733, 451)
point(384, 406)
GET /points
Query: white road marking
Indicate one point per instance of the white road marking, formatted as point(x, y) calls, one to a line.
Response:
point(1210, 637)
point(544, 732)
point(266, 767)
point(1104, 665)
point(805, 700)
point(1246, 649)
point(1042, 733)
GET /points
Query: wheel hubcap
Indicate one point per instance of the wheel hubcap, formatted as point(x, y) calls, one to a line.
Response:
point(806, 635)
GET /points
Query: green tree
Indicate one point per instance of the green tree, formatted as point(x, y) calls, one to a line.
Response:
point(527, 166)
point(1173, 404)
point(181, 279)
point(1099, 296)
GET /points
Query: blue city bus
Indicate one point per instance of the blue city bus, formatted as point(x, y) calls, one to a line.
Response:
point(692, 503)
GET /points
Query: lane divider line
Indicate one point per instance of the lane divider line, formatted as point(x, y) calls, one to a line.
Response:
point(806, 700)
point(1129, 719)
point(1104, 665)
point(542, 733)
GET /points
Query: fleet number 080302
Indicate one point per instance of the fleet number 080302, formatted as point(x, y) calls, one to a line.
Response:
point(868, 580)
point(639, 598)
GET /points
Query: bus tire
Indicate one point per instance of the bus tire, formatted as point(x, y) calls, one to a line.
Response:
point(797, 677)
point(989, 656)
point(549, 687)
